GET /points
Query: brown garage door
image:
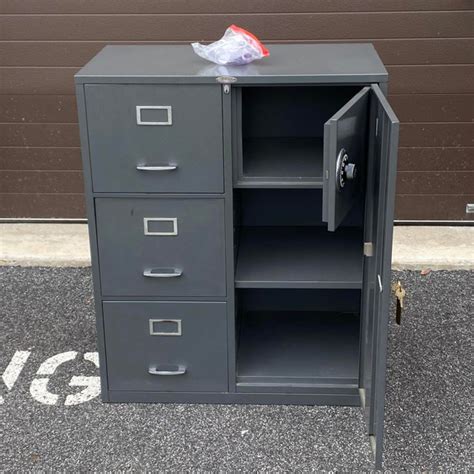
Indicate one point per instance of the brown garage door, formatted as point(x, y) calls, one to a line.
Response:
point(426, 44)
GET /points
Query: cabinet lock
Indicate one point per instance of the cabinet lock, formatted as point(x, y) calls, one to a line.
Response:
point(226, 81)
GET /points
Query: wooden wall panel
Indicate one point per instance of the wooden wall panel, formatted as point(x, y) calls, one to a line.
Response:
point(436, 134)
point(37, 80)
point(289, 26)
point(434, 182)
point(40, 158)
point(231, 6)
point(39, 134)
point(427, 46)
point(435, 159)
point(38, 108)
point(53, 182)
point(71, 206)
point(442, 207)
point(440, 79)
point(433, 107)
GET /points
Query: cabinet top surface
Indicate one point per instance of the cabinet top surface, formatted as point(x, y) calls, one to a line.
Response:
point(287, 63)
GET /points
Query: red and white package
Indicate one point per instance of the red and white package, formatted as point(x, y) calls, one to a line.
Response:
point(236, 47)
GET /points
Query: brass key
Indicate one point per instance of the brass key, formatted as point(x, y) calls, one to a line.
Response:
point(400, 295)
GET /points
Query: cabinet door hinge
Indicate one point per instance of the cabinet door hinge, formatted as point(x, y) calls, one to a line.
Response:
point(368, 249)
point(362, 397)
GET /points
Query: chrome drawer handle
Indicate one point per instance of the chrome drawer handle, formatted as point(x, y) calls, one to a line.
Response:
point(181, 370)
point(156, 168)
point(163, 274)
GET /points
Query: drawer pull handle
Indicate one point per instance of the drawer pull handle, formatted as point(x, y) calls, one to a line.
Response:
point(181, 370)
point(162, 274)
point(156, 168)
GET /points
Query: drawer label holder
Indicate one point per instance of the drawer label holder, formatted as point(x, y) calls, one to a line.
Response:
point(166, 108)
point(172, 220)
point(176, 322)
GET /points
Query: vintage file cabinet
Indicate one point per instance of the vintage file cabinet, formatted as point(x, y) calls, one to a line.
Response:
point(241, 224)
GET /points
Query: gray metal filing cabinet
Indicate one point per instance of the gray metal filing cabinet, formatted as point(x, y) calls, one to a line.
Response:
point(240, 224)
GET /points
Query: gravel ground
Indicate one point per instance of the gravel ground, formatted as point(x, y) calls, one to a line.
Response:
point(49, 310)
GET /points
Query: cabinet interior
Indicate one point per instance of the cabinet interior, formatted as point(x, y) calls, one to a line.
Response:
point(298, 286)
point(281, 241)
point(281, 133)
point(296, 340)
point(297, 290)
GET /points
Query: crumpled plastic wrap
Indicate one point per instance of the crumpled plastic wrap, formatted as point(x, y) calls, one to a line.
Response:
point(236, 47)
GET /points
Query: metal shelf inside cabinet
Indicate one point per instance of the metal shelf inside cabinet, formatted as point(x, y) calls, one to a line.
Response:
point(299, 257)
point(298, 349)
point(282, 162)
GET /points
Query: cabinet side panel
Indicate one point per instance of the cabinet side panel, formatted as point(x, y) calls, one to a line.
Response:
point(90, 209)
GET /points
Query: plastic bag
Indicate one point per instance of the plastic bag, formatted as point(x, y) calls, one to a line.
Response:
point(236, 47)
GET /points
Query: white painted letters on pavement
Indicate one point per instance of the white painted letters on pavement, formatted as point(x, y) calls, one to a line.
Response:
point(39, 385)
point(91, 384)
point(13, 370)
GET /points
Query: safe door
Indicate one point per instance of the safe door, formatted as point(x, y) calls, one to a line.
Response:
point(345, 138)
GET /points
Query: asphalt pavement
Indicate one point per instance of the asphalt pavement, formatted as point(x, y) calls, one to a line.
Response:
point(52, 419)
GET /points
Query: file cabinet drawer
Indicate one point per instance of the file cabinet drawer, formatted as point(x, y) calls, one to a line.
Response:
point(155, 138)
point(161, 246)
point(166, 346)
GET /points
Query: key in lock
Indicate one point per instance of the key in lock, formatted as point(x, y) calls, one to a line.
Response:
point(400, 296)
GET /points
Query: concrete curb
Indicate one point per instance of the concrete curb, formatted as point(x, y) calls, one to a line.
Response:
point(67, 245)
point(437, 248)
point(48, 245)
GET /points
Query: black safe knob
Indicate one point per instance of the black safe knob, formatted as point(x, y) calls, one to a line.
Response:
point(350, 171)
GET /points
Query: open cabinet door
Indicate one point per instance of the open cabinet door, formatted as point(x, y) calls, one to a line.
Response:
point(345, 138)
point(379, 213)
